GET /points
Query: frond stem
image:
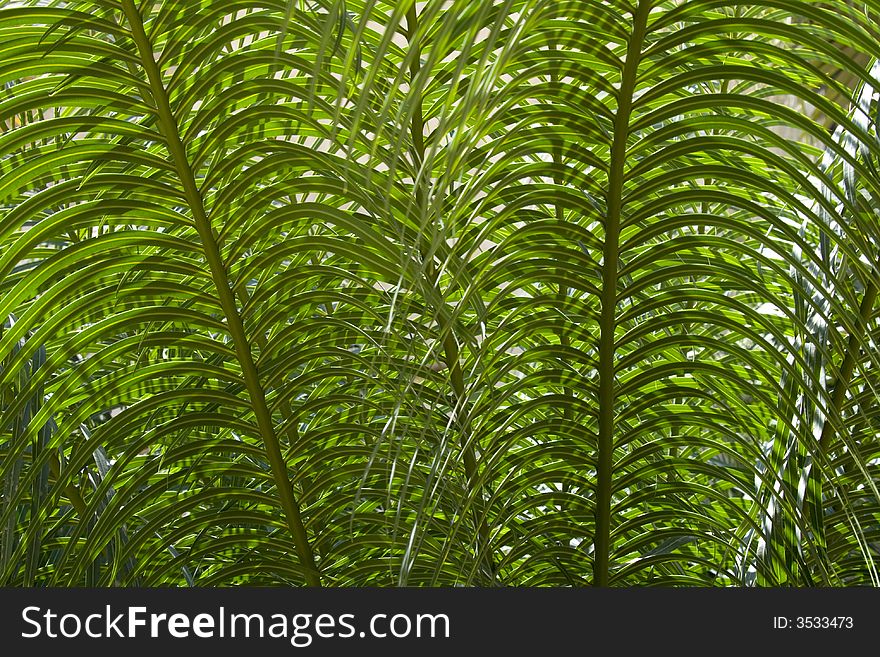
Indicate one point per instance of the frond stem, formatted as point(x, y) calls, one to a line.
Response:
point(451, 351)
point(263, 416)
point(608, 317)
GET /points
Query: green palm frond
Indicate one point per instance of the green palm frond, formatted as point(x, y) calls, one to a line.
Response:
point(514, 292)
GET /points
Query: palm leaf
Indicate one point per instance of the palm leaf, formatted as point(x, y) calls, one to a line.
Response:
point(515, 292)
